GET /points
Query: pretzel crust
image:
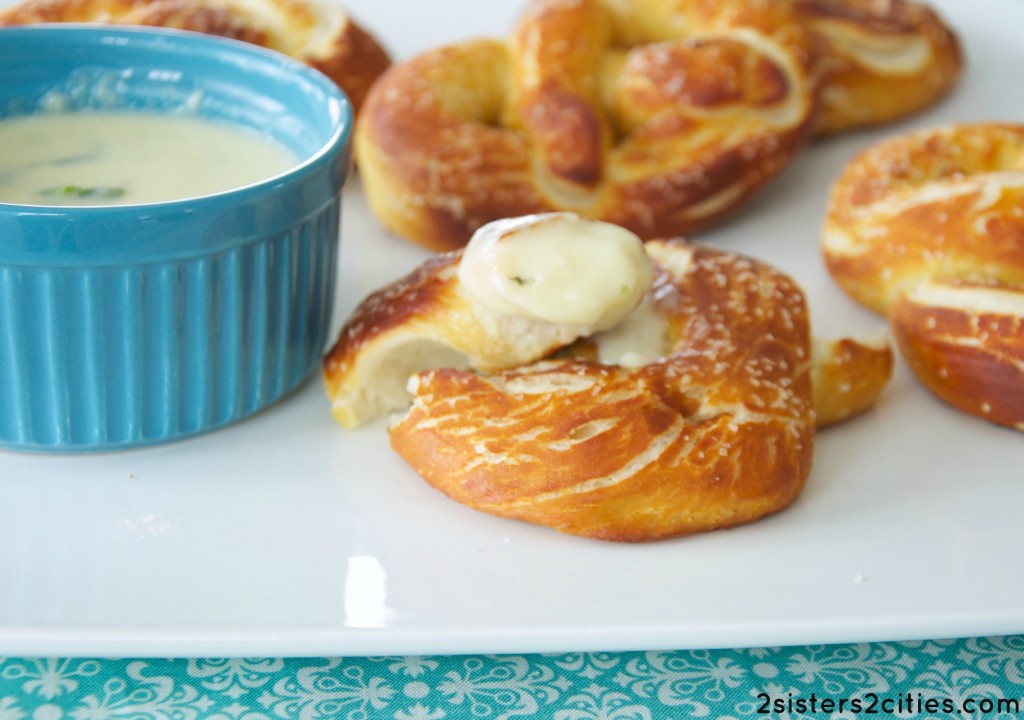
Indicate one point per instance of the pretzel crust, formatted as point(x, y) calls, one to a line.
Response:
point(317, 32)
point(965, 341)
point(661, 117)
point(718, 433)
point(928, 229)
point(882, 60)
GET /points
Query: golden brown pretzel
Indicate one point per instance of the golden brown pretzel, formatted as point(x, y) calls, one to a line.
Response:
point(658, 115)
point(708, 426)
point(929, 229)
point(317, 32)
point(720, 432)
point(882, 60)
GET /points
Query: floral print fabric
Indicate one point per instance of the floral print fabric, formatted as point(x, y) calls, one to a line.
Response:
point(979, 677)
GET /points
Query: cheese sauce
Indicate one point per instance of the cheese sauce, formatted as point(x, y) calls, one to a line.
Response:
point(557, 267)
point(120, 158)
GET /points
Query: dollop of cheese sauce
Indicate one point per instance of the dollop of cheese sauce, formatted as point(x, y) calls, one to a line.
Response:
point(557, 267)
point(120, 158)
point(638, 340)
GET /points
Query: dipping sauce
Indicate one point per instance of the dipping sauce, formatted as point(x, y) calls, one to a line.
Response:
point(557, 267)
point(124, 158)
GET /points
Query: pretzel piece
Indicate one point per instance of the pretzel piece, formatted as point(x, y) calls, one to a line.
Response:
point(927, 229)
point(661, 117)
point(462, 309)
point(317, 32)
point(848, 376)
point(882, 60)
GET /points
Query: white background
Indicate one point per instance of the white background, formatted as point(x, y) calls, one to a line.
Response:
point(286, 535)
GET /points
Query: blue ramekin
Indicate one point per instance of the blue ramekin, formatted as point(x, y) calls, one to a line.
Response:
point(125, 326)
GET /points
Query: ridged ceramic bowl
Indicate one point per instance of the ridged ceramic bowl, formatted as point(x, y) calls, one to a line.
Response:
point(130, 325)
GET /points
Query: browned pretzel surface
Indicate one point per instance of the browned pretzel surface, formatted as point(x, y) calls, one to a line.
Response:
point(882, 60)
point(658, 116)
point(929, 229)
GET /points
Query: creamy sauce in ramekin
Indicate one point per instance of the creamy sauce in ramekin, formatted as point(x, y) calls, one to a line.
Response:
point(120, 158)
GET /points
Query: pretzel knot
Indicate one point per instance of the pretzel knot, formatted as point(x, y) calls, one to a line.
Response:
point(657, 116)
point(929, 229)
point(882, 60)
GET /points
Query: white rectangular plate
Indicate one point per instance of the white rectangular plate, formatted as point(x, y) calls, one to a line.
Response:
point(286, 535)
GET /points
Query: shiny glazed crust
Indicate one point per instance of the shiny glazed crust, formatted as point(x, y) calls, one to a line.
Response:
point(929, 229)
point(882, 60)
point(317, 32)
point(659, 116)
point(965, 341)
point(718, 433)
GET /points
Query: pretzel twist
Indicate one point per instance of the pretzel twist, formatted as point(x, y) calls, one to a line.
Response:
point(657, 116)
point(714, 428)
point(882, 60)
point(719, 432)
point(929, 230)
point(317, 32)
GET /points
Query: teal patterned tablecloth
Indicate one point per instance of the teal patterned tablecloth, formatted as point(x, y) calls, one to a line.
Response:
point(967, 678)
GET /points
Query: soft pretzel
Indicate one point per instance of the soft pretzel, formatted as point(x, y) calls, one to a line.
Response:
point(317, 32)
point(711, 426)
point(657, 115)
point(965, 341)
point(929, 229)
point(882, 60)
point(719, 433)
